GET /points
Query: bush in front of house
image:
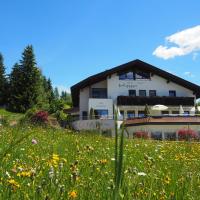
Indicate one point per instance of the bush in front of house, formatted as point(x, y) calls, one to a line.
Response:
point(141, 134)
point(187, 134)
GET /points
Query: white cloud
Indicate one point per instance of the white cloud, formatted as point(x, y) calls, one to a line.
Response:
point(62, 88)
point(189, 74)
point(194, 56)
point(184, 42)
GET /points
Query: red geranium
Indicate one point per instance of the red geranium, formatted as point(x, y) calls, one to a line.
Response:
point(185, 134)
point(141, 134)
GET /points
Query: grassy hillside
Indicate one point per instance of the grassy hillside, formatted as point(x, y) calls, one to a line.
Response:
point(10, 116)
point(38, 163)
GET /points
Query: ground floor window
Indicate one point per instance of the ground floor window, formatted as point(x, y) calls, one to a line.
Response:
point(170, 135)
point(101, 113)
point(130, 114)
point(84, 115)
point(156, 135)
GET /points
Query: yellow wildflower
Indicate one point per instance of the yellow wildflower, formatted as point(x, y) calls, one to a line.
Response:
point(72, 194)
point(13, 183)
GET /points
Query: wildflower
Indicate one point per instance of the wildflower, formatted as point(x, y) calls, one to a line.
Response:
point(34, 141)
point(13, 183)
point(103, 161)
point(72, 194)
point(51, 172)
point(24, 174)
point(167, 180)
point(141, 174)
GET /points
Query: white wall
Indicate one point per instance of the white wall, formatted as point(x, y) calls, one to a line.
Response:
point(118, 87)
point(85, 95)
point(102, 104)
point(83, 104)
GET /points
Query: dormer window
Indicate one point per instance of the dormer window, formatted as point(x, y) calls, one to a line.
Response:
point(142, 75)
point(126, 76)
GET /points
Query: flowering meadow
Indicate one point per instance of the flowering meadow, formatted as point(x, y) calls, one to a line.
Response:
point(50, 164)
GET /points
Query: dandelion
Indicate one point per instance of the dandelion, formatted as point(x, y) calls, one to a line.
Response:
point(72, 194)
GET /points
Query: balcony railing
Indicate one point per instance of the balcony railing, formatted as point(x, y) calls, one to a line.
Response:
point(168, 101)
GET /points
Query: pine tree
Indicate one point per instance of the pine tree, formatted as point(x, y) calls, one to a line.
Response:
point(3, 82)
point(29, 90)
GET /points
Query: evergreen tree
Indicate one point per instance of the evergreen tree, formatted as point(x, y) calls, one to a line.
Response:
point(51, 96)
point(56, 93)
point(29, 90)
point(3, 82)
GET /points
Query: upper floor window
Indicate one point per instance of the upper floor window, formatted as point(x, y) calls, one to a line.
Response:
point(132, 93)
point(99, 93)
point(130, 114)
point(152, 93)
point(142, 93)
point(141, 113)
point(126, 76)
point(172, 93)
point(142, 75)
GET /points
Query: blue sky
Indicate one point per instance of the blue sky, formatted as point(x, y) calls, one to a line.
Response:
point(75, 39)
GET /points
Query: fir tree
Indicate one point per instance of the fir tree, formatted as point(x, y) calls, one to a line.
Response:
point(3, 82)
point(56, 93)
point(29, 90)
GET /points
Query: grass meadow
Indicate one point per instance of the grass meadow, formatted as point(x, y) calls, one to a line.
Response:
point(50, 164)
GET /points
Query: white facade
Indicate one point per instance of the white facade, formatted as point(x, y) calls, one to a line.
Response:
point(116, 87)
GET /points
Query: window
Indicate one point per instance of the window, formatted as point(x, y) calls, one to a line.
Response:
point(186, 112)
point(170, 135)
point(84, 115)
point(172, 93)
point(175, 112)
point(156, 135)
point(130, 114)
point(132, 93)
point(152, 93)
point(142, 75)
point(165, 112)
point(141, 113)
point(122, 113)
point(142, 93)
point(101, 114)
point(127, 76)
point(99, 93)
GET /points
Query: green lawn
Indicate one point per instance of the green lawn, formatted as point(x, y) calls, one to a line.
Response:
point(70, 165)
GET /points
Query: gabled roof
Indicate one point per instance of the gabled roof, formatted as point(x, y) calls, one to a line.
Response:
point(135, 64)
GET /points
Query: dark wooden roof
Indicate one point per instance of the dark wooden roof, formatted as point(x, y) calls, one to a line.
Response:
point(135, 64)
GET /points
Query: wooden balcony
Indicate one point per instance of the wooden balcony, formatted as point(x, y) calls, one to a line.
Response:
point(168, 101)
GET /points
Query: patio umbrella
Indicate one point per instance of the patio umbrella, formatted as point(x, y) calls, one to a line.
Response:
point(181, 111)
point(159, 107)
